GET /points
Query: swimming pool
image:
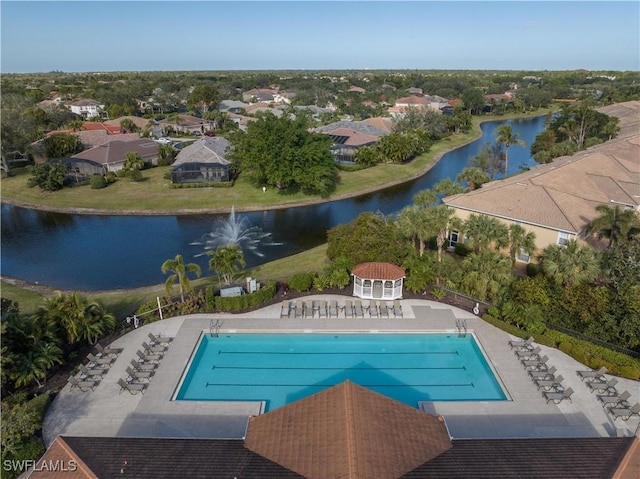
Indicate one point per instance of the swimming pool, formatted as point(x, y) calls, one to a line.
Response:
point(282, 368)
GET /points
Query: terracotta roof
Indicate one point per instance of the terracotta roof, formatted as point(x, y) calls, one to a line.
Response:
point(378, 271)
point(348, 431)
point(205, 150)
point(629, 467)
point(544, 458)
point(115, 151)
point(155, 458)
point(562, 195)
point(96, 126)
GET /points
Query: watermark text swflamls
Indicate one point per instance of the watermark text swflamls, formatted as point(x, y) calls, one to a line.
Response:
point(57, 465)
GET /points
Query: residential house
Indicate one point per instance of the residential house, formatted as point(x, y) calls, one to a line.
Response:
point(263, 107)
point(86, 108)
point(356, 89)
point(232, 106)
point(112, 154)
point(202, 162)
point(557, 201)
point(349, 136)
point(185, 124)
point(259, 95)
point(140, 122)
point(345, 431)
point(414, 90)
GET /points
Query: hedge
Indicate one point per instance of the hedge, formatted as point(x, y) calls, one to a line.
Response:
point(212, 184)
point(264, 294)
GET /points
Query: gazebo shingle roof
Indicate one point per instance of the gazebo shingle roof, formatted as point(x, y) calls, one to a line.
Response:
point(386, 271)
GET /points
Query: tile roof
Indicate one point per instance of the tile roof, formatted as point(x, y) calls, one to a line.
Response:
point(359, 126)
point(380, 122)
point(378, 271)
point(587, 458)
point(354, 138)
point(348, 431)
point(562, 195)
point(154, 458)
point(115, 151)
point(67, 463)
point(85, 102)
point(205, 150)
point(138, 121)
point(412, 100)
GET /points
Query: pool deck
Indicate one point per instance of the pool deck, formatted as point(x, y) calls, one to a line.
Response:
point(107, 412)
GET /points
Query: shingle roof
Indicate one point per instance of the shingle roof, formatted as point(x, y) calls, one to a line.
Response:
point(348, 431)
point(86, 102)
point(562, 195)
point(138, 121)
point(358, 126)
point(412, 100)
point(205, 150)
point(586, 458)
point(380, 122)
point(154, 458)
point(353, 138)
point(378, 271)
point(116, 151)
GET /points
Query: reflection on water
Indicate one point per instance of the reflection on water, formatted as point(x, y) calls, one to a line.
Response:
point(109, 252)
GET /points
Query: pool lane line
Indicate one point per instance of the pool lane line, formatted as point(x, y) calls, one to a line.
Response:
point(466, 385)
point(326, 353)
point(284, 368)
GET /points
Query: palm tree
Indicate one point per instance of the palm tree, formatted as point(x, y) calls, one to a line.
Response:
point(33, 365)
point(569, 264)
point(180, 271)
point(425, 198)
point(615, 223)
point(506, 136)
point(439, 220)
point(474, 177)
point(484, 231)
point(485, 274)
point(413, 224)
point(520, 240)
point(226, 261)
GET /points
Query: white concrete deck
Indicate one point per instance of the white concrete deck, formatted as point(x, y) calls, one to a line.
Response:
point(106, 412)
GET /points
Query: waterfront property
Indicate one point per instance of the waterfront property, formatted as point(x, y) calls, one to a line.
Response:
point(346, 427)
point(202, 162)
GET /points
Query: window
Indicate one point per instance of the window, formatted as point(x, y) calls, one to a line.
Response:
point(523, 256)
point(563, 238)
point(453, 237)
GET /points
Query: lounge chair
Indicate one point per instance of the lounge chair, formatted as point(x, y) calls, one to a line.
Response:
point(619, 400)
point(609, 387)
point(83, 385)
point(143, 366)
point(333, 309)
point(544, 374)
point(521, 343)
point(592, 373)
point(558, 396)
point(157, 349)
point(112, 352)
point(348, 309)
point(159, 339)
point(308, 309)
point(625, 412)
point(285, 309)
point(133, 388)
point(322, 309)
point(397, 308)
point(101, 361)
point(534, 363)
point(373, 309)
point(529, 353)
point(549, 384)
point(141, 375)
point(357, 309)
point(149, 358)
point(383, 310)
point(92, 373)
point(299, 310)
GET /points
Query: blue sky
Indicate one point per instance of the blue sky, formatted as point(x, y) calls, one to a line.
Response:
point(265, 35)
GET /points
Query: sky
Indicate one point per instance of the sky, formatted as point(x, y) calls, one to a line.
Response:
point(79, 36)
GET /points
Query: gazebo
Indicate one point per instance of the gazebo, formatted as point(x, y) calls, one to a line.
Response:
point(378, 281)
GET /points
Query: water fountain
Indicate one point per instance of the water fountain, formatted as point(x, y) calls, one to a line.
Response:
point(236, 230)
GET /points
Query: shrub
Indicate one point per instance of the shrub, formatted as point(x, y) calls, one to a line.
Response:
point(264, 294)
point(533, 269)
point(462, 249)
point(302, 281)
point(97, 182)
point(321, 282)
point(438, 293)
point(110, 177)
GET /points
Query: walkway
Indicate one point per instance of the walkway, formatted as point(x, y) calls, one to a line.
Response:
point(106, 412)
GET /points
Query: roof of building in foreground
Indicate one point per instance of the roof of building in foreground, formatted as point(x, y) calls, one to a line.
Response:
point(563, 195)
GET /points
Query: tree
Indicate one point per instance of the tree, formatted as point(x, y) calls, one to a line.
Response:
point(438, 220)
point(490, 159)
point(520, 240)
point(615, 223)
point(483, 231)
point(569, 264)
point(485, 274)
point(412, 222)
point(61, 145)
point(180, 271)
point(473, 100)
point(474, 178)
point(280, 152)
point(49, 176)
point(132, 166)
point(226, 261)
point(129, 126)
point(203, 98)
point(506, 137)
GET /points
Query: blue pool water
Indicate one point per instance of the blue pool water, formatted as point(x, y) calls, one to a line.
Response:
point(282, 368)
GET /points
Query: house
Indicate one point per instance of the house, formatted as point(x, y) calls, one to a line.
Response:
point(86, 108)
point(414, 90)
point(262, 107)
point(259, 95)
point(557, 201)
point(184, 124)
point(349, 136)
point(112, 154)
point(345, 431)
point(356, 89)
point(232, 106)
point(140, 122)
point(202, 162)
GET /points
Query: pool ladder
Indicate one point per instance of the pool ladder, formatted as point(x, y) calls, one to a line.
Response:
point(461, 324)
point(214, 328)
